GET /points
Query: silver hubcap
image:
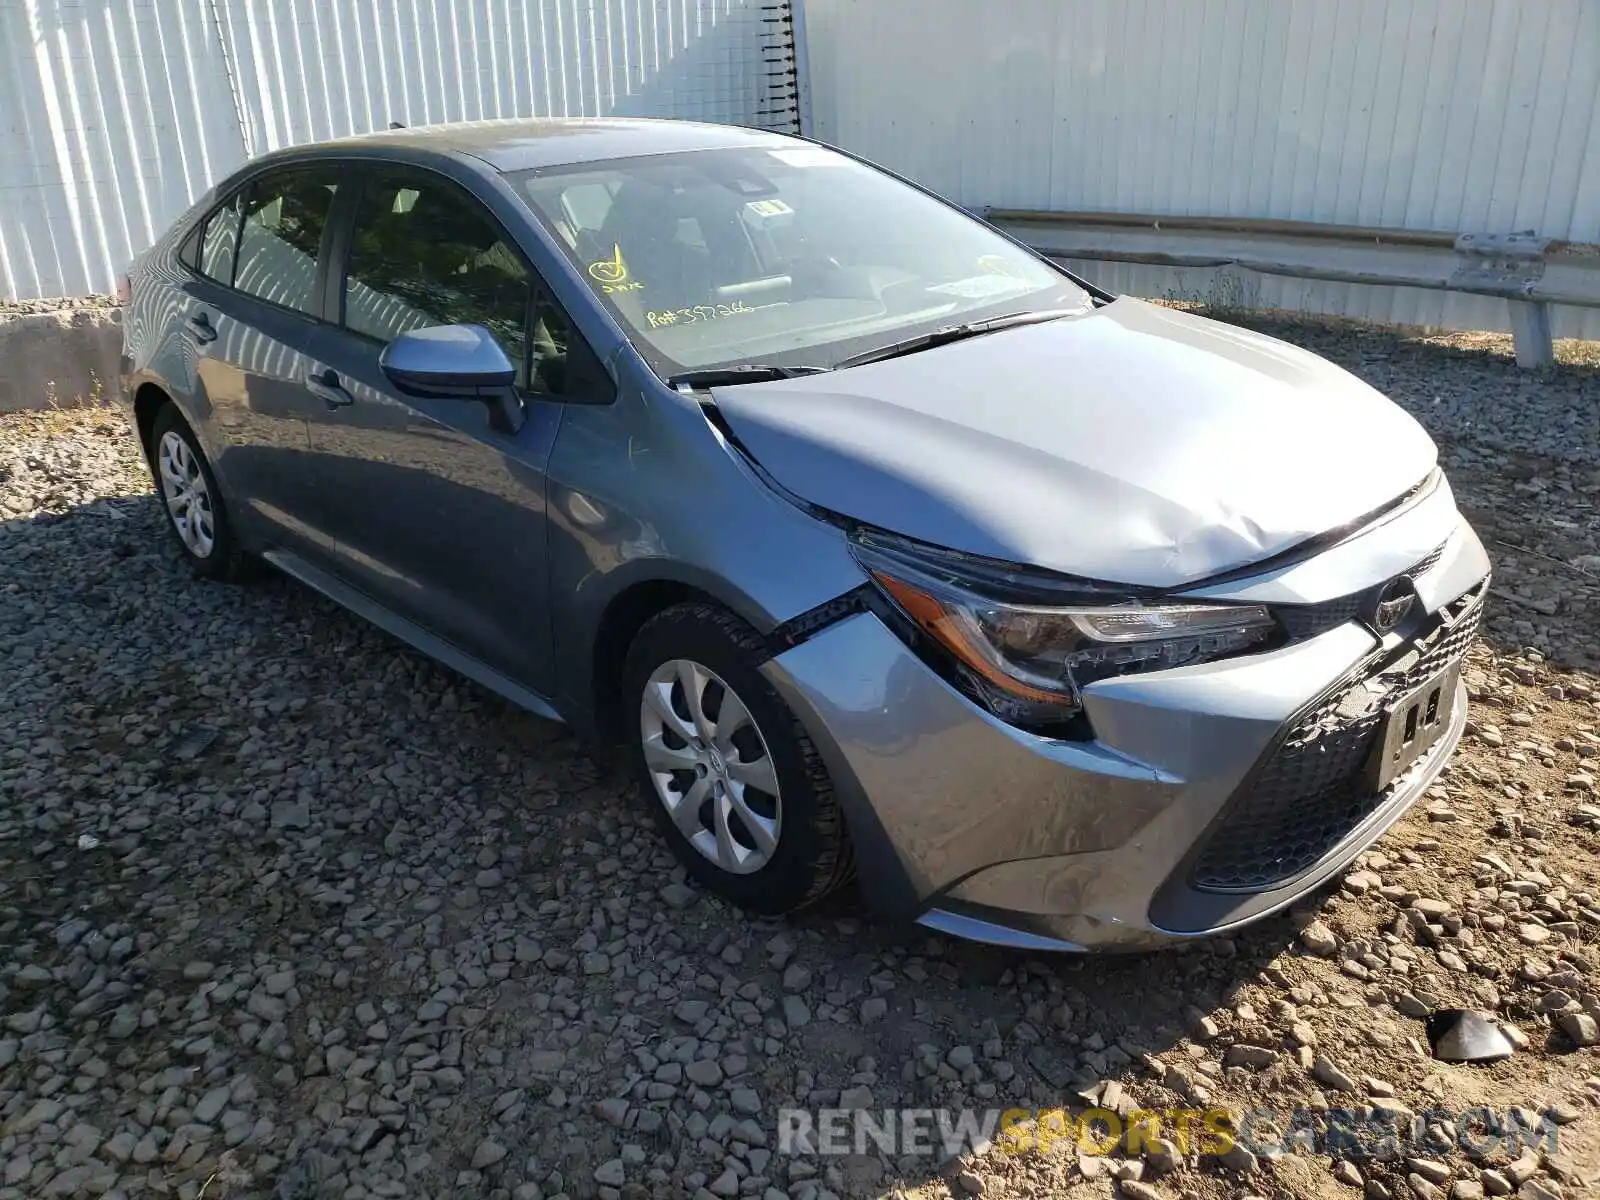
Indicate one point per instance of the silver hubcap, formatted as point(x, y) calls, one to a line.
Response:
point(183, 486)
point(710, 766)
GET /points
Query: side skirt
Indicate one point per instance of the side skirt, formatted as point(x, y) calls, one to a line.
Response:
point(412, 634)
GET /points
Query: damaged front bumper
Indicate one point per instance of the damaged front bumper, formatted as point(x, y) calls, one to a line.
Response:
point(1208, 797)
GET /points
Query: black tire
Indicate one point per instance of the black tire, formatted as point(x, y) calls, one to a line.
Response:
point(225, 560)
point(812, 857)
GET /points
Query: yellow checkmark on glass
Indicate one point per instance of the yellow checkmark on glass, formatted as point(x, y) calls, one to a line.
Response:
point(610, 270)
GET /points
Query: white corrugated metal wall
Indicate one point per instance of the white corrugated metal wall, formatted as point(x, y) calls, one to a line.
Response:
point(1458, 115)
point(115, 114)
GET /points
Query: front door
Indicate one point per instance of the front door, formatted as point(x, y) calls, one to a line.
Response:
point(421, 504)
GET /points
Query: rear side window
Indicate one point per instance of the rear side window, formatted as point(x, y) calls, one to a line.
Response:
point(423, 253)
point(285, 217)
point(218, 243)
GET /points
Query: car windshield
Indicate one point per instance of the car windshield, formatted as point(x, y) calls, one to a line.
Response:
point(788, 255)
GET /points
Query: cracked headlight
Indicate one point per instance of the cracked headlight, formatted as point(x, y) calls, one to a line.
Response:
point(1028, 661)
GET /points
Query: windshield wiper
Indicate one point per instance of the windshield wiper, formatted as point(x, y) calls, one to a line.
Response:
point(954, 333)
point(748, 373)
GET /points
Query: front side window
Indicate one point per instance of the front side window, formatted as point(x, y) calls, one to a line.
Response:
point(285, 215)
point(792, 255)
point(422, 254)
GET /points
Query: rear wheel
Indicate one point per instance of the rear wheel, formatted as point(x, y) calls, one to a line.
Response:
point(193, 503)
point(731, 776)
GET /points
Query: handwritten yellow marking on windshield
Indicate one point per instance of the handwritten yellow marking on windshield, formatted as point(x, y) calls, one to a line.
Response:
point(995, 265)
point(700, 312)
point(610, 270)
point(612, 273)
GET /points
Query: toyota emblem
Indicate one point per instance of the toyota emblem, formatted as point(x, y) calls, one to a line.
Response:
point(1392, 604)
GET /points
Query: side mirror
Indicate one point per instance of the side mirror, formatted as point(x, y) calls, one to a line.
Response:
point(446, 362)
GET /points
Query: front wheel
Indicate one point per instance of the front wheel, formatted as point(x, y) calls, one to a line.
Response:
point(733, 780)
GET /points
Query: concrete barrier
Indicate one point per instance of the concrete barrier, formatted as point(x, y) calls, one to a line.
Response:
point(63, 356)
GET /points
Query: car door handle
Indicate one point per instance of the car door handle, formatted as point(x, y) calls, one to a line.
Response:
point(326, 387)
point(199, 328)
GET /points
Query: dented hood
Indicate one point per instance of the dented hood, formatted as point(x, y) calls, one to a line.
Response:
point(1134, 444)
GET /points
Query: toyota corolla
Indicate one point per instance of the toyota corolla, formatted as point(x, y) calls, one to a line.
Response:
point(891, 549)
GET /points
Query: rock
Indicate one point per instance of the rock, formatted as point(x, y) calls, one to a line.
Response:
point(1238, 1158)
point(1319, 939)
point(1346, 1173)
point(487, 1154)
point(287, 815)
point(1162, 1155)
point(31, 978)
point(1524, 1168)
point(1324, 1071)
point(705, 1072)
point(1461, 1035)
point(746, 1103)
point(795, 1012)
point(1430, 1169)
point(1243, 1055)
point(872, 1009)
point(971, 1183)
point(39, 1113)
point(610, 1173)
point(1581, 1028)
point(856, 1098)
point(211, 1105)
point(1496, 1183)
point(676, 896)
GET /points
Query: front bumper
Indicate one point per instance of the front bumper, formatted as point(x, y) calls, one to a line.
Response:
point(985, 831)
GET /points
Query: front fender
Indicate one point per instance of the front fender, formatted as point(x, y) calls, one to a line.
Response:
point(646, 492)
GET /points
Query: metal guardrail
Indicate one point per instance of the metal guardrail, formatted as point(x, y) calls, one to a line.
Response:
point(1529, 272)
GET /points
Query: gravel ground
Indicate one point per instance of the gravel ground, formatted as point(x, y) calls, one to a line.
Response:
point(17, 308)
point(286, 911)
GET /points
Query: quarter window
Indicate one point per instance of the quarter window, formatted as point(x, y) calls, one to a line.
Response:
point(423, 254)
point(285, 216)
point(218, 243)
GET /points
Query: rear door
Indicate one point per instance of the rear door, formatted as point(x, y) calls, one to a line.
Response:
point(254, 314)
point(424, 506)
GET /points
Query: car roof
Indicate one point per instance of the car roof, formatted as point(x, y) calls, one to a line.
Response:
point(521, 144)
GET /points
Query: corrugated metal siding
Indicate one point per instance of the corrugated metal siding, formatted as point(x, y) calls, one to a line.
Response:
point(1425, 114)
point(115, 114)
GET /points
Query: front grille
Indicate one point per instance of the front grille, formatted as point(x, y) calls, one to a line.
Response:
point(1308, 794)
point(1301, 621)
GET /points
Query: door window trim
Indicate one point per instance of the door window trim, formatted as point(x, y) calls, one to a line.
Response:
point(241, 190)
point(342, 225)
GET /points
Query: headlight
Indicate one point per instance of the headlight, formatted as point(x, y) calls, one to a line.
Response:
point(1026, 661)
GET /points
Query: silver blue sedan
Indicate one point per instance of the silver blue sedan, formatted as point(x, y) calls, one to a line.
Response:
point(890, 548)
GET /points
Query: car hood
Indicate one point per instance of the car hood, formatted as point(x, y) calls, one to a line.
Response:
point(1134, 444)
